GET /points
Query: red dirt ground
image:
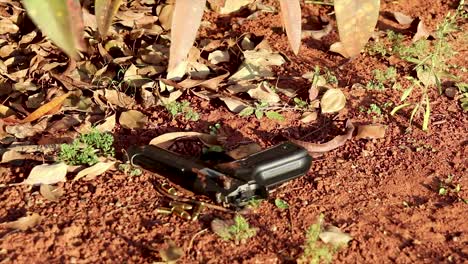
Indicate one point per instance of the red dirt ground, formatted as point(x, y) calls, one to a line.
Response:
point(383, 192)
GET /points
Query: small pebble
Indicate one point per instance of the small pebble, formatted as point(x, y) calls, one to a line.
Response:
point(451, 92)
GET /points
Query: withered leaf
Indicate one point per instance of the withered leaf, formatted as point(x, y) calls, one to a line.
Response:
point(24, 223)
point(133, 119)
point(51, 193)
point(371, 131)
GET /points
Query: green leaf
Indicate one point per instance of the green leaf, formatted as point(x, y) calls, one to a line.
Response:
point(274, 115)
point(406, 93)
point(415, 110)
point(247, 111)
point(105, 10)
point(259, 113)
point(281, 204)
point(60, 20)
point(356, 20)
point(399, 107)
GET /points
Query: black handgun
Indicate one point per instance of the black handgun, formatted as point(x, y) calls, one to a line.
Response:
point(234, 182)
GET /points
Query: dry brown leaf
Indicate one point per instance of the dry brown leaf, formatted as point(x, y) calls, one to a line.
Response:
point(264, 93)
point(6, 111)
point(165, 140)
point(235, 105)
point(47, 174)
point(133, 119)
point(356, 20)
point(334, 236)
point(338, 47)
point(318, 149)
point(183, 30)
point(421, 32)
point(24, 223)
point(332, 101)
point(11, 155)
point(291, 16)
point(108, 125)
point(219, 56)
point(92, 172)
point(27, 130)
point(308, 117)
point(402, 19)
point(317, 34)
point(371, 131)
point(51, 193)
point(45, 109)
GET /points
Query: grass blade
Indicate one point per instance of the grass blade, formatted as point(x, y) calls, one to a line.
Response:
point(356, 20)
point(398, 108)
point(105, 11)
point(60, 20)
point(427, 113)
point(185, 23)
point(291, 16)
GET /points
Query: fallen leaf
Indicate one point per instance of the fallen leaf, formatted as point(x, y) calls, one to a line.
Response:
point(371, 131)
point(318, 149)
point(24, 223)
point(183, 30)
point(117, 98)
point(92, 172)
point(421, 32)
point(165, 140)
point(308, 117)
point(332, 101)
point(108, 125)
point(244, 150)
point(356, 20)
point(427, 77)
point(233, 104)
point(264, 93)
point(133, 119)
point(338, 47)
point(231, 6)
point(317, 34)
point(45, 109)
point(257, 63)
point(291, 17)
point(172, 253)
point(105, 11)
point(219, 56)
point(165, 16)
point(334, 236)
point(11, 155)
point(402, 19)
point(27, 130)
point(6, 111)
point(47, 174)
point(51, 193)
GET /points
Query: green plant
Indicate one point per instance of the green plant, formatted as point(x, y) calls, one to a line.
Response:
point(175, 108)
point(128, 169)
point(214, 129)
point(448, 188)
point(383, 78)
point(463, 88)
point(315, 251)
point(430, 64)
point(240, 231)
point(87, 148)
point(281, 204)
point(261, 109)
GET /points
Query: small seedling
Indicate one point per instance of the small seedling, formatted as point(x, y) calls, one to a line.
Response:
point(128, 169)
point(383, 78)
point(260, 110)
point(87, 148)
point(182, 108)
point(281, 204)
point(254, 203)
point(239, 232)
point(463, 88)
point(450, 189)
point(315, 251)
point(214, 129)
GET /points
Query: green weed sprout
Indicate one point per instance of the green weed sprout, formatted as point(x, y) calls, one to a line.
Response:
point(87, 148)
